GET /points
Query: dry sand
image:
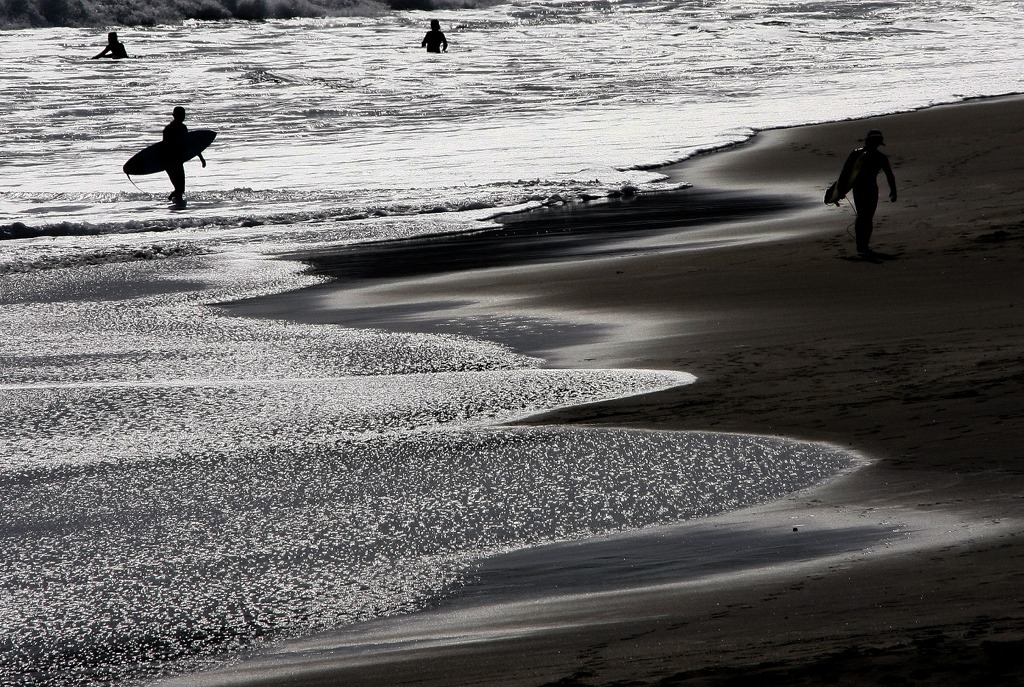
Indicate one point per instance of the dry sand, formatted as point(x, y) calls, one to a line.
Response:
point(914, 359)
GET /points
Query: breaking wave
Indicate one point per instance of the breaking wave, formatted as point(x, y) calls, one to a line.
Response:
point(15, 14)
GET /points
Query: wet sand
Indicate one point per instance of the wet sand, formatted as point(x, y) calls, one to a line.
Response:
point(913, 358)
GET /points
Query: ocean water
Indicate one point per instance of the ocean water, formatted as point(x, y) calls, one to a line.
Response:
point(179, 485)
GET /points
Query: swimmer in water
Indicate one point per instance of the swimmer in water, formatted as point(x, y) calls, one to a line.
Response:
point(114, 50)
point(435, 41)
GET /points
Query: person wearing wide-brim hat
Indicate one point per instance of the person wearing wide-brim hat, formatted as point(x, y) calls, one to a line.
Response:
point(861, 169)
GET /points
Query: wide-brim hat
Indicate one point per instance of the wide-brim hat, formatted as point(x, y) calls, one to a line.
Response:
point(874, 135)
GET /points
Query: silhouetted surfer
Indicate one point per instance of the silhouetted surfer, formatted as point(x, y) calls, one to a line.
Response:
point(860, 173)
point(174, 148)
point(114, 50)
point(435, 41)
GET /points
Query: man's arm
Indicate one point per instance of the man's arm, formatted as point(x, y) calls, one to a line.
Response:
point(889, 178)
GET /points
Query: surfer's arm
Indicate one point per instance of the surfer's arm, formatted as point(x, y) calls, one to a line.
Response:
point(102, 53)
point(889, 177)
point(202, 159)
point(444, 43)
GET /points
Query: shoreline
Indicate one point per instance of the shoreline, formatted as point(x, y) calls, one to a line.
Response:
point(913, 359)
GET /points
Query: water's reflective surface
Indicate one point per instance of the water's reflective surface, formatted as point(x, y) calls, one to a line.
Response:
point(177, 483)
point(329, 119)
point(117, 568)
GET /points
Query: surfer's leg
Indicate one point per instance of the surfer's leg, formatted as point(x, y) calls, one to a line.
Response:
point(866, 200)
point(177, 176)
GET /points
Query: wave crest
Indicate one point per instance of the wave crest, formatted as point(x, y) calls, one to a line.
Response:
point(15, 14)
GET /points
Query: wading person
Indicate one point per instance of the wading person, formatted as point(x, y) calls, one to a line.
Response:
point(435, 41)
point(175, 147)
point(860, 175)
point(114, 50)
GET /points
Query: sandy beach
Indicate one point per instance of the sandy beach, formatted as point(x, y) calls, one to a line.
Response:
point(908, 571)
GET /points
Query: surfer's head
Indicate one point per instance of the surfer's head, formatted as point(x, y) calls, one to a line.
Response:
point(112, 37)
point(435, 25)
point(874, 138)
point(179, 113)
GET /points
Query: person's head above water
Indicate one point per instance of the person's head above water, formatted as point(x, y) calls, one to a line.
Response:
point(179, 113)
point(112, 37)
point(435, 25)
point(874, 138)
